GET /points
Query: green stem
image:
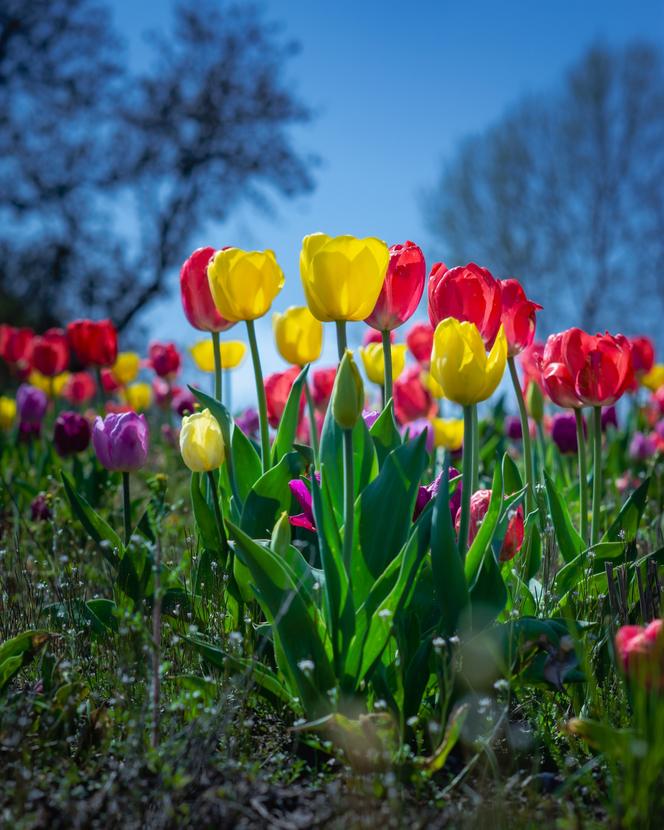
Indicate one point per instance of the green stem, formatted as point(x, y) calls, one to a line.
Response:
point(597, 473)
point(583, 473)
point(260, 394)
point(312, 423)
point(218, 392)
point(476, 449)
point(525, 437)
point(387, 361)
point(342, 342)
point(467, 480)
point(219, 519)
point(127, 507)
point(349, 498)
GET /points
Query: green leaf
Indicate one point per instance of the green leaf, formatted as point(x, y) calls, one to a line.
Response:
point(569, 541)
point(269, 497)
point(482, 541)
point(18, 652)
point(512, 480)
point(204, 515)
point(452, 734)
point(283, 442)
point(97, 529)
point(626, 524)
point(385, 433)
point(225, 421)
point(247, 463)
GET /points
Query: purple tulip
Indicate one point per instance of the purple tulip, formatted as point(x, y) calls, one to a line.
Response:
point(31, 404)
point(415, 428)
point(28, 432)
point(121, 441)
point(425, 494)
point(513, 428)
point(183, 403)
point(659, 429)
point(563, 432)
point(302, 492)
point(642, 447)
point(248, 422)
point(609, 418)
point(39, 509)
point(370, 417)
point(71, 433)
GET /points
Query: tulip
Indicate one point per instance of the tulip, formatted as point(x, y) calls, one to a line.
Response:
point(420, 342)
point(39, 509)
point(448, 433)
point(373, 360)
point(49, 353)
point(373, 336)
point(643, 355)
point(513, 428)
point(71, 434)
point(514, 535)
point(530, 361)
point(108, 380)
point(277, 390)
point(201, 442)
point(402, 288)
point(197, 301)
point(31, 404)
point(138, 396)
point(431, 384)
point(79, 388)
point(654, 379)
point(95, 343)
point(518, 316)
point(162, 392)
point(412, 399)
point(164, 359)
point(564, 432)
point(640, 650)
point(232, 353)
point(322, 382)
point(183, 403)
point(370, 416)
point(414, 429)
point(126, 367)
point(348, 393)
point(15, 345)
point(642, 447)
point(52, 386)
point(298, 335)
point(468, 293)
point(248, 422)
point(301, 489)
point(342, 276)
point(609, 418)
point(426, 493)
point(7, 412)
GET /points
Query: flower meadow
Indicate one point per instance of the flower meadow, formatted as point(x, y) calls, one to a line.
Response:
point(428, 575)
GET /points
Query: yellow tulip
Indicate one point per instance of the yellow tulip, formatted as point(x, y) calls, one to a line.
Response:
point(126, 367)
point(460, 364)
point(50, 385)
point(7, 412)
point(298, 334)
point(138, 396)
point(244, 283)
point(373, 360)
point(448, 433)
point(201, 442)
point(432, 385)
point(342, 276)
point(654, 379)
point(232, 353)
point(203, 354)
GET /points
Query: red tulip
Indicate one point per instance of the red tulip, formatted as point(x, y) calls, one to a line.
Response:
point(641, 652)
point(322, 381)
point(643, 354)
point(374, 336)
point(197, 302)
point(518, 316)
point(163, 392)
point(557, 378)
point(402, 288)
point(412, 400)
point(420, 342)
point(94, 342)
point(277, 390)
point(108, 381)
point(164, 359)
point(469, 293)
point(479, 504)
point(530, 360)
point(49, 353)
point(15, 344)
point(79, 388)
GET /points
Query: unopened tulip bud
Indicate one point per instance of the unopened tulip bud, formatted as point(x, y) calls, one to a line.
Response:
point(348, 393)
point(535, 402)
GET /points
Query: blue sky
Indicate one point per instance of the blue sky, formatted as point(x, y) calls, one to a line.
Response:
point(394, 86)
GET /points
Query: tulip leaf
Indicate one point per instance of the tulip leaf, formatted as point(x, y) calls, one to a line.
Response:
point(247, 463)
point(269, 497)
point(512, 480)
point(573, 572)
point(626, 523)
point(448, 573)
point(384, 433)
point(385, 509)
point(488, 594)
point(204, 516)
point(295, 621)
point(569, 541)
point(283, 443)
point(97, 528)
point(365, 466)
point(18, 652)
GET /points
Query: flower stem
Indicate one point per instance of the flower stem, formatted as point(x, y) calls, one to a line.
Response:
point(217, 511)
point(349, 499)
point(127, 507)
point(525, 437)
point(583, 473)
point(260, 394)
point(597, 472)
point(342, 342)
point(467, 480)
point(218, 391)
point(312, 423)
point(476, 449)
point(387, 361)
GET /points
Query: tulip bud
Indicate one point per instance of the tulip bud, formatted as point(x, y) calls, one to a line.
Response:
point(348, 393)
point(201, 442)
point(71, 434)
point(535, 402)
point(281, 535)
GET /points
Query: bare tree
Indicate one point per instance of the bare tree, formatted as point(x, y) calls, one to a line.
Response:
point(107, 176)
point(566, 192)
